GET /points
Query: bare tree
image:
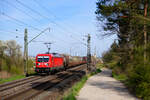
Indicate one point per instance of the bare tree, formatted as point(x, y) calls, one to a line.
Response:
point(13, 52)
point(2, 50)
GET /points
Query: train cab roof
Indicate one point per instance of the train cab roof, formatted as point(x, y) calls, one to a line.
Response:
point(51, 54)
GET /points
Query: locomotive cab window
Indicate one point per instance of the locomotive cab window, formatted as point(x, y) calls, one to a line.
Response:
point(43, 58)
point(46, 58)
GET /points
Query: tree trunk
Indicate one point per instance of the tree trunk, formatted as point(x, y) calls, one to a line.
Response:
point(145, 31)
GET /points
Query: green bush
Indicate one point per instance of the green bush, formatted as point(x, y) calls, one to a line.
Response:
point(70, 97)
point(139, 80)
point(15, 70)
point(4, 65)
point(99, 65)
point(132, 70)
point(121, 77)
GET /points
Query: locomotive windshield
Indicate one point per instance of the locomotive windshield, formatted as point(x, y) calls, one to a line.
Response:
point(43, 58)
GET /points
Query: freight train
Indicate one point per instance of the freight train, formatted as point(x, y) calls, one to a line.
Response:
point(47, 63)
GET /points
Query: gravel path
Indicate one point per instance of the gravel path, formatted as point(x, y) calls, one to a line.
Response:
point(103, 87)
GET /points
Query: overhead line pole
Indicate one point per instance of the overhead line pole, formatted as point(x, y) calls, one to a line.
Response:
point(26, 52)
point(88, 52)
point(26, 48)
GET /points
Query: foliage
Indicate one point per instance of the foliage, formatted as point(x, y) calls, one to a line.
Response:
point(120, 77)
point(129, 20)
point(11, 59)
point(30, 66)
point(139, 75)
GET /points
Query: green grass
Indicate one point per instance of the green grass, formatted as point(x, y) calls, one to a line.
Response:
point(100, 65)
point(11, 79)
point(76, 88)
point(120, 77)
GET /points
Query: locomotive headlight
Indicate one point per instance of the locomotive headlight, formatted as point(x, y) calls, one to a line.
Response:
point(46, 64)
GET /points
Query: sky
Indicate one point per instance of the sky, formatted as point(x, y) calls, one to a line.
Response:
point(69, 21)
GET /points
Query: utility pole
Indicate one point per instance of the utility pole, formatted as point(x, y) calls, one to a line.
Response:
point(95, 58)
point(88, 52)
point(95, 52)
point(26, 43)
point(48, 44)
point(70, 50)
point(26, 52)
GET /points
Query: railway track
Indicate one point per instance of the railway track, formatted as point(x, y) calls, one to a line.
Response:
point(31, 87)
point(18, 82)
point(57, 92)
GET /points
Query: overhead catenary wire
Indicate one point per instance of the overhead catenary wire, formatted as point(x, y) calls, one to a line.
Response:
point(28, 25)
point(31, 9)
point(44, 8)
point(22, 11)
point(8, 33)
point(19, 21)
point(47, 10)
point(61, 40)
point(58, 45)
point(38, 13)
point(23, 23)
point(13, 33)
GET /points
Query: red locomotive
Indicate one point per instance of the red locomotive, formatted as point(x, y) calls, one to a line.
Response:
point(49, 62)
point(46, 63)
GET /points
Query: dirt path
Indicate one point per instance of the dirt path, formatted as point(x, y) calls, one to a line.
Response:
point(103, 87)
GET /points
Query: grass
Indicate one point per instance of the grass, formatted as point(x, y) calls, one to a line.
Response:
point(120, 77)
point(12, 78)
point(16, 77)
point(76, 88)
point(100, 65)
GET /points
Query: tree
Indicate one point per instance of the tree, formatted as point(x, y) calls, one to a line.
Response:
point(2, 49)
point(13, 54)
point(129, 20)
point(145, 30)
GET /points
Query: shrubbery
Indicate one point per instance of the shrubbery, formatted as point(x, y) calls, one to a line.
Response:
point(129, 55)
point(11, 58)
point(136, 74)
point(139, 81)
